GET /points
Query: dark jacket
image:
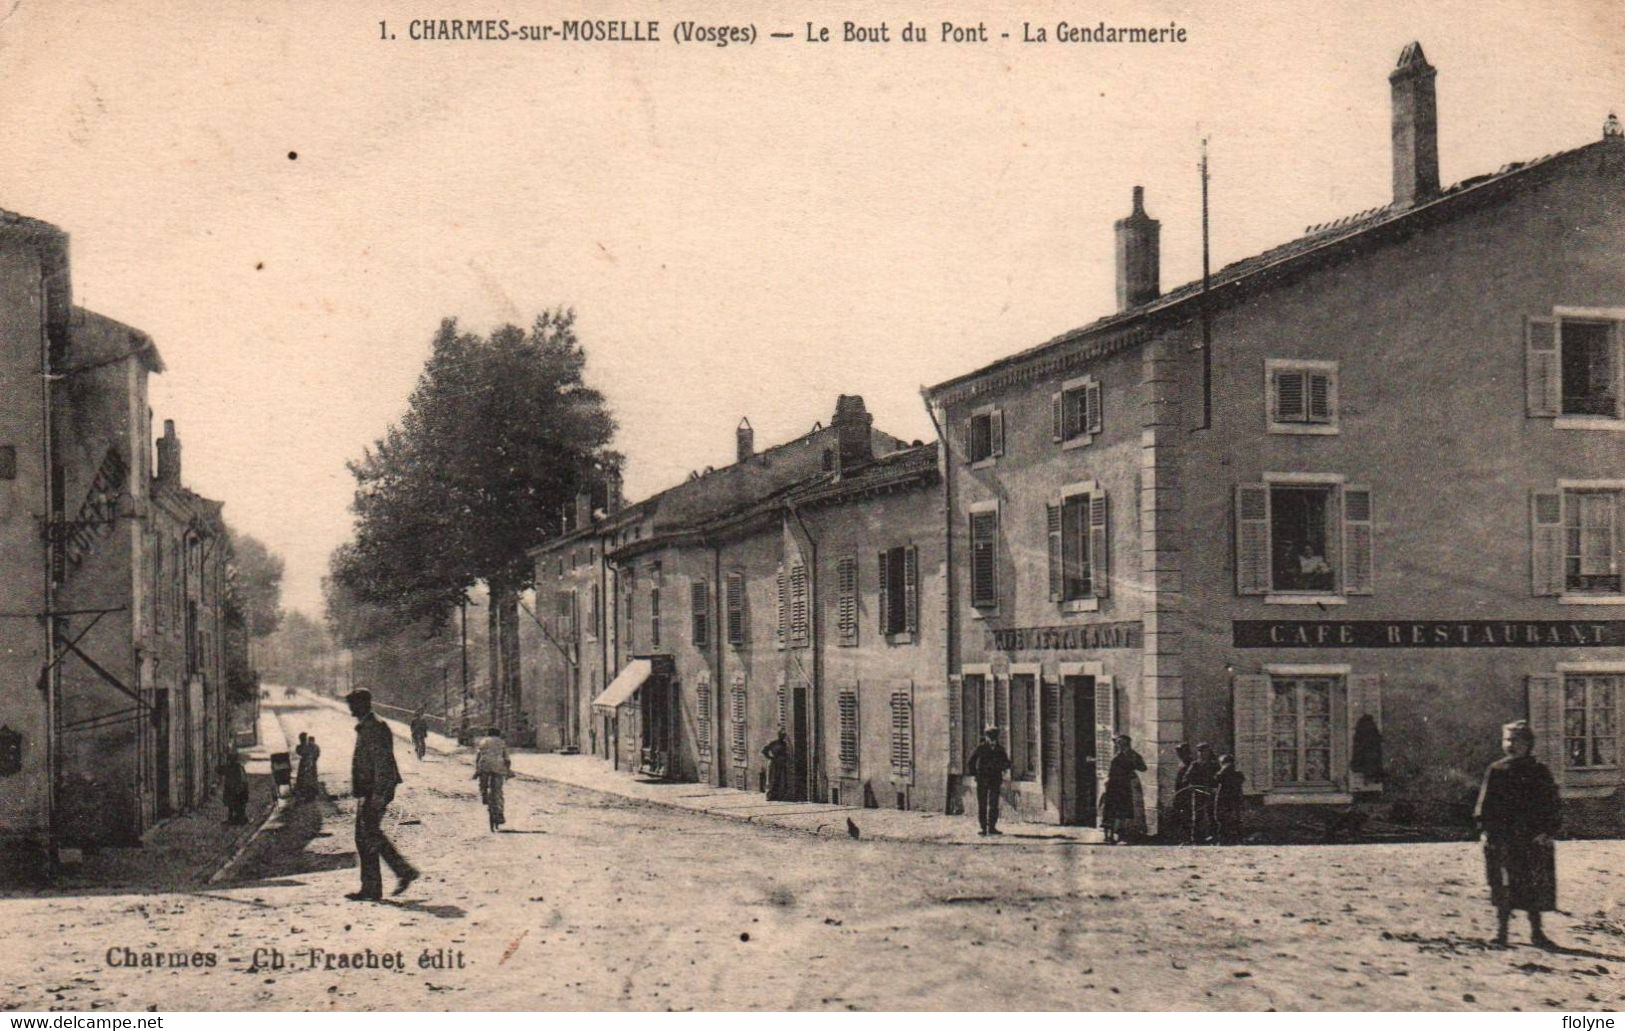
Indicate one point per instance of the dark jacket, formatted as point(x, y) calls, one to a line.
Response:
point(1204, 773)
point(988, 763)
point(1517, 801)
point(372, 767)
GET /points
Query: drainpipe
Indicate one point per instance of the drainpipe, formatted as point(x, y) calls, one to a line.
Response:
point(952, 635)
point(719, 611)
point(48, 673)
point(815, 757)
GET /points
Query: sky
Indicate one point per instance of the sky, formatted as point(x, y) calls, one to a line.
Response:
point(290, 204)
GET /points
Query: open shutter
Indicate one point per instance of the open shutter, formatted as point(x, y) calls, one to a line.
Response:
point(1092, 417)
point(1290, 402)
point(956, 723)
point(1357, 540)
point(1546, 542)
point(984, 528)
point(911, 590)
point(902, 731)
point(1105, 729)
point(1100, 576)
point(736, 609)
point(699, 605)
point(847, 702)
point(783, 700)
point(883, 604)
point(846, 614)
point(1365, 699)
point(1057, 580)
point(1320, 397)
point(1543, 377)
point(800, 629)
point(1252, 538)
point(1251, 710)
point(1057, 430)
point(995, 432)
point(702, 721)
point(1546, 720)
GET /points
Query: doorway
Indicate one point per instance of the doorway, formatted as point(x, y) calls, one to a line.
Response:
point(160, 731)
point(801, 785)
point(1077, 751)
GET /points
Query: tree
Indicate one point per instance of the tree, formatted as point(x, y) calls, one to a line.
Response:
point(500, 434)
point(254, 583)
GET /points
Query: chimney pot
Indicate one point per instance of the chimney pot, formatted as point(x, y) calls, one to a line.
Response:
point(169, 454)
point(1138, 255)
point(1415, 128)
point(745, 440)
point(853, 446)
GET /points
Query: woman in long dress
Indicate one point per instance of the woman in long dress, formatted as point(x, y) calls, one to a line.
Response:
point(1123, 803)
point(777, 754)
point(305, 786)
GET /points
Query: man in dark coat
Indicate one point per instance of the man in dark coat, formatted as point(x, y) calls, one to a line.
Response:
point(988, 764)
point(373, 776)
point(1204, 781)
point(777, 754)
point(234, 788)
point(1518, 814)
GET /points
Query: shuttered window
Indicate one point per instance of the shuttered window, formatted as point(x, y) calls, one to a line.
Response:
point(956, 724)
point(1023, 715)
point(984, 435)
point(780, 607)
point(1079, 543)
point(699, 613)
point(737, 739)
point(846, 600)
point(594, 611)
point(782, 702)
point(902, 732)
point(847, 712)
point(1305, 538)
point(899, 602)
point(736, 609)
point(1572, 366)
point(1591, 720)
point(654, 616)
point(972, 720)
point(1301, 730)
point(984, 531)
point(1577, 537)
point(1075, 411)
point(800, 633)
point(1307, 731)
point(702, 723)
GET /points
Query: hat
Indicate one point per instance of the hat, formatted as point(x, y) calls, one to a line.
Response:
point(360, 694)
point(1204, 747)
point(991, 732)
point(1517, 729)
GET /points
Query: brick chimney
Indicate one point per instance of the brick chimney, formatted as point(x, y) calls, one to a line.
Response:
point(1138, 246)
point(169, 455)
point(583, 508)
point(1416, 128)
point(851, 424)
point(744, 440)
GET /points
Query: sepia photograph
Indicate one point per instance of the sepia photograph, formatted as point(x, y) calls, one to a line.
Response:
point(723, 506)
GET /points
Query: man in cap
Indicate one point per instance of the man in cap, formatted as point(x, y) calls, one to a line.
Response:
point(987, 764)
point(373, 776)
point(1518, 814)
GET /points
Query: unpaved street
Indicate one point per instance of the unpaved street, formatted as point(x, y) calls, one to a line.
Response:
point(592, 902)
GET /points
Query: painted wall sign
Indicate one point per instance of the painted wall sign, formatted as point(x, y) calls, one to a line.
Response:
point(1428, 633)
point(1065, 638)
point(99, 511)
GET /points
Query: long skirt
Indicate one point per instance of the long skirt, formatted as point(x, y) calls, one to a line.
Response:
point(1522, 875)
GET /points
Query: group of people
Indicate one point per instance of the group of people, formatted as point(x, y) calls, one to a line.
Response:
point(1206, 806)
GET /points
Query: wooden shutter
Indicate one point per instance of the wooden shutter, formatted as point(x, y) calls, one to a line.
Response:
point(737, 736)
point(995, 432)
point(1543, 377)
point(1546, 545)
point(782, 700)
point(1252, 538)
point(1357, 540)
point(1001, 709)
point(846, 600)
point(1105, 729)
point(984, 527)
point(1092, 419)
point(847, 710)
point(883, 593)
point(1320, 397)
point(1251, 710)
point(702, 721)
point(956, 723)
point(911, 590)
point(779, 607)
point(1545, 700)
point(799, 628)
point(1289, 392)
point(1100, 547)
point(1365, 699)
point(1056, 417)
point(699, 605)
point(1057, 577)
point(902, 731)
point(736, 609)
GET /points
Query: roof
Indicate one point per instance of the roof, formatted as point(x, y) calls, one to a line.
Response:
point(1318, 243)
point(99, 340)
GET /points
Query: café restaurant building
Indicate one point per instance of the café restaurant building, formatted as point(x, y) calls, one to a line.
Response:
point(1342, 511)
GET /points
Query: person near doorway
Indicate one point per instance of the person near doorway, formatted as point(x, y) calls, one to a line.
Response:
point(1204, 783)
point(1122, 804)
point(373, 778)
point(777, 754)
point(420, 732)
point(1518, 815)
point(1227, 801)
point(492, 766)
point(988, 764)
point(305, 784)
point(234, 788)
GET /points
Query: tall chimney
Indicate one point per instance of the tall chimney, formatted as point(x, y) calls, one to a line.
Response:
point(1416, 128)
point(853, 446)
point(583, 514)
point(169, 455)
point(745, 440)
point(1138, 245)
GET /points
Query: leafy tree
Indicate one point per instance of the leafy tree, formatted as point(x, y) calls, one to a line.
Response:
point(254, 583)
point(499, 435)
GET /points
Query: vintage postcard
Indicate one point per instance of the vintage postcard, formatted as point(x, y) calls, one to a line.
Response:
point(718, 506)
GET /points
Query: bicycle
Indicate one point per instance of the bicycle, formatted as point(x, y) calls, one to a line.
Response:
point(491, 796)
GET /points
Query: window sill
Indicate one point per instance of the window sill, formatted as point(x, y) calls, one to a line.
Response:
point(984, 611)
point(984, 463)
point(1081, 605)
point(1587, 790)
point(1308, 796)
point(1589, 422)
point(1305, 429)
point(1591, 599)
point(903, 637)
point(1081, 440)
point(1285, 598)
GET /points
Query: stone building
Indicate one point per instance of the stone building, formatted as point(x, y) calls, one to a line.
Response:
point(1342, 512)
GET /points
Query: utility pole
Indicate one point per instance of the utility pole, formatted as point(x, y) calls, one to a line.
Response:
point(1207, 315)
point(463, 731)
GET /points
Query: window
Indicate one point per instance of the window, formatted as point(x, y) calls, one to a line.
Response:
point(847, 711)
point(1303, 536)
point(799, 630)
point(1577, 541)
point(846, 600)
point(1075, 415)
point(899, 594)
point(593, 612)
point(1572, 364)
point(699, 607)
point(8, 462)
point(1302, 396)
point(736, 609)
point(984, 532)
point(564, 605)
point(1078, 545)
point(984, 435)
point(1301, 730)
point(654, 615)
point(902, 732)
point(1590, 733)
point(1023, 744)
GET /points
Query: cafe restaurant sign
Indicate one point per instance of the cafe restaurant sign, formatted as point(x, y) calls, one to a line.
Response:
point(1087, 637)
point(1428, 633)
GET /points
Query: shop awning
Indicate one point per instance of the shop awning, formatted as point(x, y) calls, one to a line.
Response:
point(625, 684)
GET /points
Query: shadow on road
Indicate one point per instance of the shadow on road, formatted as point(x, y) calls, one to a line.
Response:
point(282, 850)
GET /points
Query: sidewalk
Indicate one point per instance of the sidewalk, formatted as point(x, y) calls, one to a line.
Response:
point(594, 774)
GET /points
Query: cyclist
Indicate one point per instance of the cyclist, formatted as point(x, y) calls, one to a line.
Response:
point(491, 767)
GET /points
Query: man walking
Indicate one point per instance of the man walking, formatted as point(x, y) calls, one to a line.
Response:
point(373, 776)
point(987, 764)
point(420, 732)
